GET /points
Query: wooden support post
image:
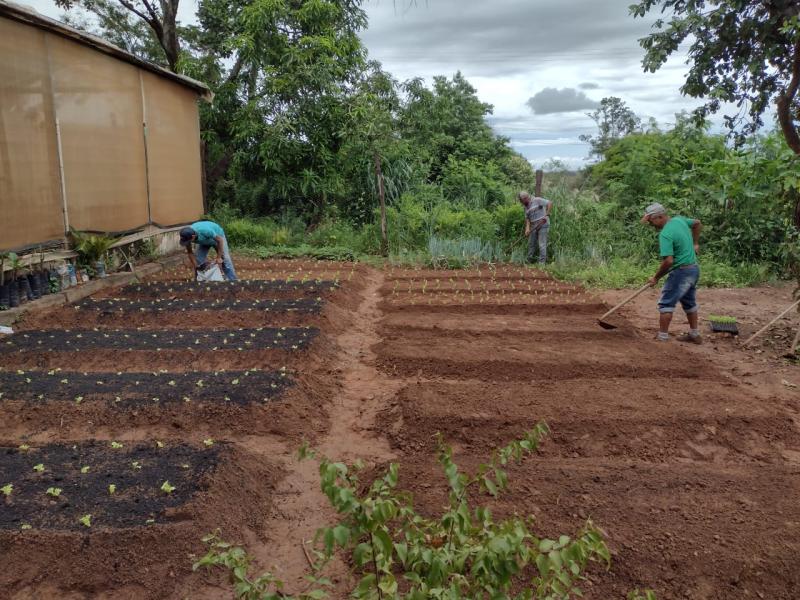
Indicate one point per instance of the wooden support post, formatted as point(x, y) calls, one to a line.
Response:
point(382, 198)
point(539, 177)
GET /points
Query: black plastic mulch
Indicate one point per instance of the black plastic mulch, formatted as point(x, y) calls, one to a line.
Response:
point(262, 338)
point(304, 305)
point(124, 389)
point(83, 474)
point(158, 289)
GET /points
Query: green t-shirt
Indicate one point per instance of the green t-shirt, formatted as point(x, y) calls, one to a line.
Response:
point(676, 240)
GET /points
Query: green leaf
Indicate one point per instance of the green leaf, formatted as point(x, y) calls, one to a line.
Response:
point(341, 534)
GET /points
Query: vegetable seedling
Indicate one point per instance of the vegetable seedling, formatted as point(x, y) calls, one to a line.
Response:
point(112, 488)
point(116, 445)
point(167, 488)
point(54, 492)
point(7, 489)
point(38, 468)
point(86, 520)
point(208, 442)
point(85, 469)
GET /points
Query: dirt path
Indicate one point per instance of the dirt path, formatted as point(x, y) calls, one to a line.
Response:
point(300, 508)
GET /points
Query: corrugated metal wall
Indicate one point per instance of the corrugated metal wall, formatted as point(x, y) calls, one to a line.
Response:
point(89, 141)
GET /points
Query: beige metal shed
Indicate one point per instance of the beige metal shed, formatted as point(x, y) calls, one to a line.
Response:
point(91, 137)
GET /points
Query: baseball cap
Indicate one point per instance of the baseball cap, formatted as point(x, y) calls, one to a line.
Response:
point(653, 209)
point(186, 236)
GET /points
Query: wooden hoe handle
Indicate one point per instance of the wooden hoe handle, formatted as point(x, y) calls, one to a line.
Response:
point(768, 325)
point(628, 299)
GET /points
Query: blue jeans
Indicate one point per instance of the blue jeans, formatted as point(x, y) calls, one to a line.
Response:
point(227, 264)
point(538, 240)
point(680, 286)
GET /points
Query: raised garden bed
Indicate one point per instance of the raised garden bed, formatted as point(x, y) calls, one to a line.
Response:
point(123, 389)
point(305, 305)
point(224, 289)
point(68, 487)
point(281, 338)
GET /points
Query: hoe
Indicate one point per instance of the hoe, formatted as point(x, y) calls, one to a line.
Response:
point(604, 324)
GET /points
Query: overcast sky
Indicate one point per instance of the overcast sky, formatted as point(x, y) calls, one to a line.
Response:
point(543, 64)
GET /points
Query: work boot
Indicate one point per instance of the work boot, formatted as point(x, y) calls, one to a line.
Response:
point(691, 339)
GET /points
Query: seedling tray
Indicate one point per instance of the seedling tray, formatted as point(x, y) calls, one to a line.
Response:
point(722, 324)
point(83, 474)
point(224, 289)
point(124, 389)
point(122, 305)
point(65, 340)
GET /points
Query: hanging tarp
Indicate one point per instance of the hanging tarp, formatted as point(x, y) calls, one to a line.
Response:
point(90, 136)
point(98, 102)
point(173, 156)
point(31, 209)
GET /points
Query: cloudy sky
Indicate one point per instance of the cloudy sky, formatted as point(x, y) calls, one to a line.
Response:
point(543, 64)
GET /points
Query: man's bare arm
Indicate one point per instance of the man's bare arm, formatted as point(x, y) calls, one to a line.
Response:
point(697, 227)
point(666, 265)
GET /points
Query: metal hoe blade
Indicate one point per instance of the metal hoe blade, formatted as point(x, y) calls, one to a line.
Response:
point(605, 324)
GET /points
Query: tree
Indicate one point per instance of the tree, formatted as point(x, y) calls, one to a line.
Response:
point(160, 17)
point(614, 121)
point(743, 52)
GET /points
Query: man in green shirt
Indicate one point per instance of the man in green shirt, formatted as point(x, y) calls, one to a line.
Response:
point(679, 242)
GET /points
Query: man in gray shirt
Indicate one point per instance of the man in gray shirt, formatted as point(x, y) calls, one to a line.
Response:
point(537, 224)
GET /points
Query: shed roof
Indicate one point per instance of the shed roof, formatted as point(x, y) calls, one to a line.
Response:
point(29, 16)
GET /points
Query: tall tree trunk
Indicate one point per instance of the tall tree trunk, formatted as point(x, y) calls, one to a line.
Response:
point(382, 198)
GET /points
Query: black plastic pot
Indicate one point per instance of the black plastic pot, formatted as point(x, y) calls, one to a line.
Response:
point(44, 282)
point(33, 282)
point(13, 294)
point(5, 302)
point(24, 289)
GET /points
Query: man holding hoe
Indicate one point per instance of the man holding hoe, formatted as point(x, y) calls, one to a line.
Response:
point(679, 242)
point(537, 224)
point(207, 235)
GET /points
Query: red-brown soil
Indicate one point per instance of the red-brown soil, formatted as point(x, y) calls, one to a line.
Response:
point(692, 473)
point(256, 438)
point(687, 457)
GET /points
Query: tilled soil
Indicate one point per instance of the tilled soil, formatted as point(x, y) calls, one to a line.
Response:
point(189, 414)
point(692, 473)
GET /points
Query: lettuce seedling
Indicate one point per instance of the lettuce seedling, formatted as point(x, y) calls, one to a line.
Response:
point(38, 468)
point(86, 520)
point(54, 492)
point(166, 487)
point(7, 489)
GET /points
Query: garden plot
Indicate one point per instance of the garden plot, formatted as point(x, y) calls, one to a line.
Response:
point(129, 389)
point(101, 485)
point(65, 530)
point(224, 290)
point(688, 472)
point(151, 395)
point(599, 418)
point(124, 305)
point(539, 355)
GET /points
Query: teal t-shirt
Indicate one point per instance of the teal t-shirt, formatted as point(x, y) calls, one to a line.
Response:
point(206, 232)
point(676, 240)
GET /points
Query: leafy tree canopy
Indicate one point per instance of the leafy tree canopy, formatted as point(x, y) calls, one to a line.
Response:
point(744, 52)
point(614, 121)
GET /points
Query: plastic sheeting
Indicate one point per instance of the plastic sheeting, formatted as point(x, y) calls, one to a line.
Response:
point(52, 86)
point(173, 151)
point(31, 208)
point(98, 103)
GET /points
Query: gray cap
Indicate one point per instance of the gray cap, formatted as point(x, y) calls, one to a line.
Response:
point(653, 209)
